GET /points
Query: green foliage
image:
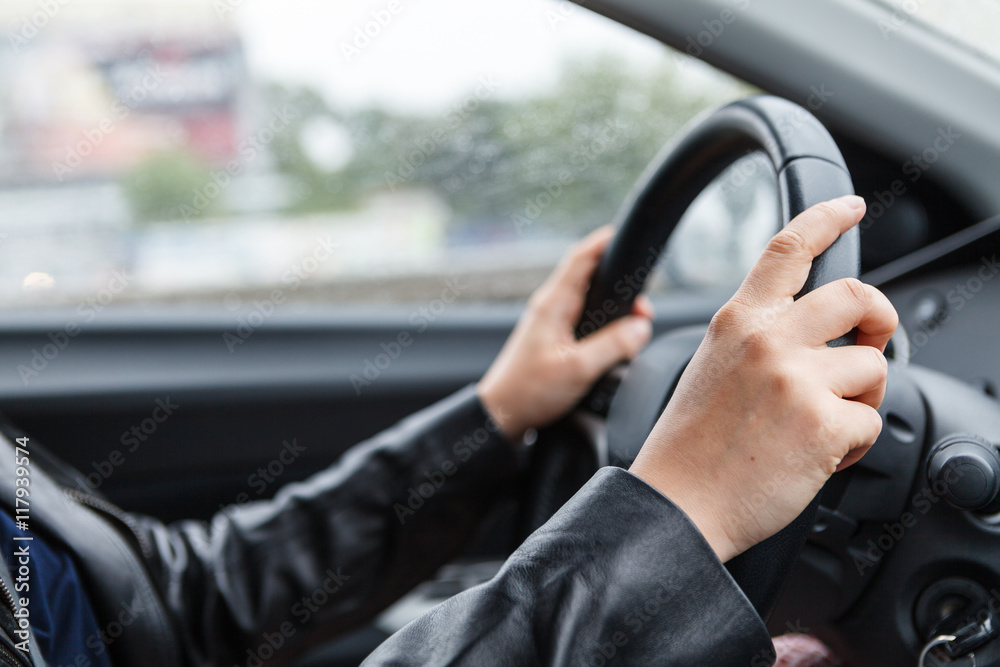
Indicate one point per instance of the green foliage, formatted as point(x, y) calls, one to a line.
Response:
point(563, 159)
point(554, 162)
point(312, 188)
point(166, 186)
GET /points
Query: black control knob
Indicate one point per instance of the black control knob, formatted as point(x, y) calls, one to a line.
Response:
point(965, 471)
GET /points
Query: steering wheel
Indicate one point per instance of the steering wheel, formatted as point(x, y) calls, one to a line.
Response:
point(810, 170)
point(896, 551)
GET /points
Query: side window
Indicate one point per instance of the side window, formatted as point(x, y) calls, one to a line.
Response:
point(220, 151)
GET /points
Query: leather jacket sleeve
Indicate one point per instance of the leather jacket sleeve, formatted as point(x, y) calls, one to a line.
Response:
point(328, 554)
point(619, 576)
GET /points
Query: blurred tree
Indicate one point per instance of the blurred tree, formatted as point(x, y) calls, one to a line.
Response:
point(313, 189)
point(553, 163)
point(170, 185)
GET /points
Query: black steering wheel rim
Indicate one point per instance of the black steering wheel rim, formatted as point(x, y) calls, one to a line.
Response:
point(810, 169)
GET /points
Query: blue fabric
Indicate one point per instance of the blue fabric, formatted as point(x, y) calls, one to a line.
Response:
point(61, 616)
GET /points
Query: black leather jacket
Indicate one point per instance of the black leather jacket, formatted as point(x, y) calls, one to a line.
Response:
point(618, 576)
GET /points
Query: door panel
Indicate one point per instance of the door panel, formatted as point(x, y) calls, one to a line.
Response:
point(167, 421)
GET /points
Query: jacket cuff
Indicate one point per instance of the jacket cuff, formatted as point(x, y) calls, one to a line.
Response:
point(459, 428)
point(665, 596)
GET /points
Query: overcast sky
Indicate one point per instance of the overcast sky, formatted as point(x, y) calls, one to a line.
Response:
point(431, 51)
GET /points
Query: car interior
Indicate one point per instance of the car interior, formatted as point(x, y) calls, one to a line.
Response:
point(886, 99)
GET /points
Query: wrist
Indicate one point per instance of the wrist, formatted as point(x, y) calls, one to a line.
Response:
point(700, 512)
point(499, 412)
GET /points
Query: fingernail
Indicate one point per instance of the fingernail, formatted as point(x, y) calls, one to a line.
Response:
point(853, 202)
point(641, 329)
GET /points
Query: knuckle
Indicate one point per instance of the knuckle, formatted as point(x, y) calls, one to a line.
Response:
point(781, 384)
point(540, 298)
point(856, 291)
point(727, 318)
point(624, 342)
point(829, 425)
point(889, 311)
point(759, 346)
point(735, 318)
point(752, 330)
point(829, 465)
point(872, 425)
point(574, 363)
point(893, 316)
point(789, 241)
point(817, 427)
point(827, 211)
point(878, 362)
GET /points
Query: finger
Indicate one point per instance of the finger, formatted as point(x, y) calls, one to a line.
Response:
point(861, 425)
point(618, 341)
point(783, 267)
point(856, 371)
point(565, 290)
point(832, 310)
point(643, 307)
point(879, 323)
point(577, 265)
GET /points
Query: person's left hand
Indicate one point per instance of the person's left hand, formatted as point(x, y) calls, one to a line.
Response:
point(543, 370)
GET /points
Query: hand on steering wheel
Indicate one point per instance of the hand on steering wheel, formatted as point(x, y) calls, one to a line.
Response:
point(766, 411)
point(543, 370)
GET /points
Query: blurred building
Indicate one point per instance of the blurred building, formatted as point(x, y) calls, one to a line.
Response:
point(88, 90)
point(92, 88)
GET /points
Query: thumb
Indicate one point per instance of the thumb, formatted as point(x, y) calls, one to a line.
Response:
point(618, 341)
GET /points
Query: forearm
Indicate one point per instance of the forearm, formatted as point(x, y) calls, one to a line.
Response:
point(326, 555)
point(620, 575)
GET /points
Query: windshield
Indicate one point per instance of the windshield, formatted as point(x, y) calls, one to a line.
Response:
point(974, 24)
point(221, 152)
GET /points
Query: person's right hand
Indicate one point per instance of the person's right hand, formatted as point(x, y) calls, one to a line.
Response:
point(766, 411)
